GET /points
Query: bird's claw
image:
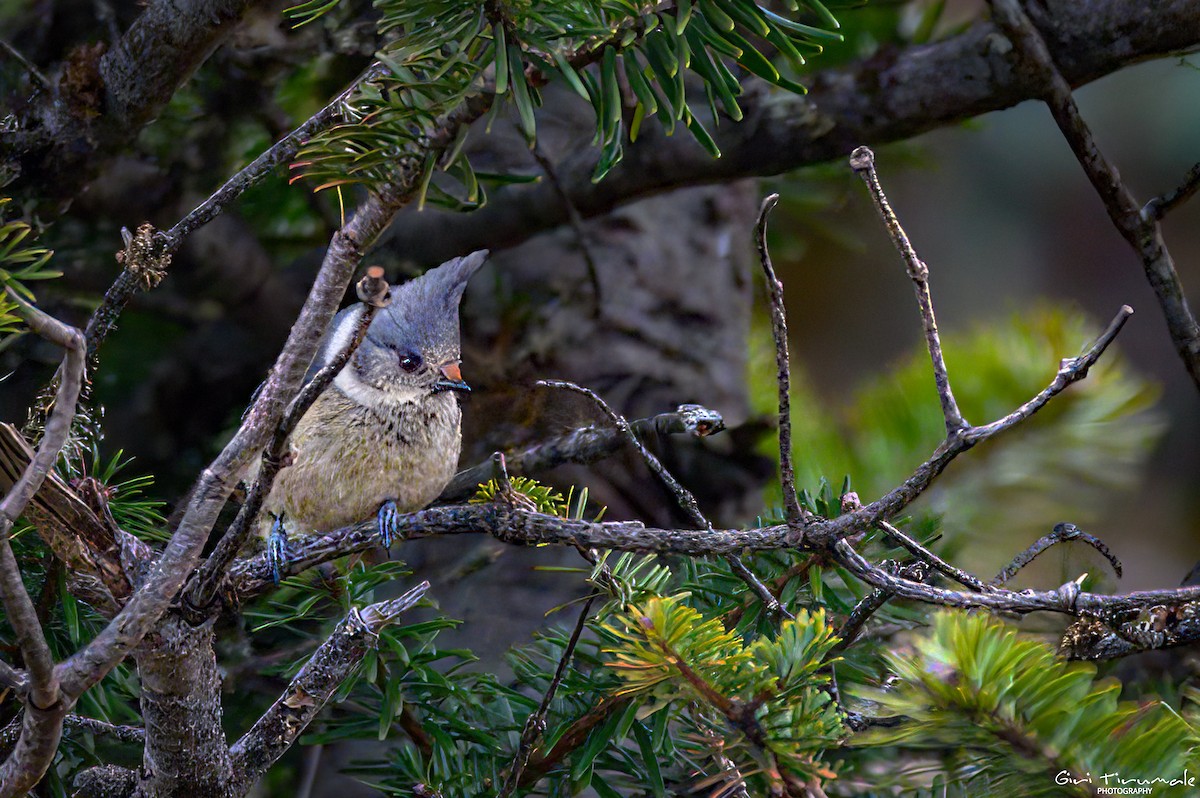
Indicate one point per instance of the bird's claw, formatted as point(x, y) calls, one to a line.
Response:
point(277, 548)
point(387, 518)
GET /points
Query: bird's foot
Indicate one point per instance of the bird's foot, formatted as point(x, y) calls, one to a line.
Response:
point(388, 517)
point(277, 547)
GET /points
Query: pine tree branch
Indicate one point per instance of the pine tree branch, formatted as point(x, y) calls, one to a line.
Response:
point(893, 95)
point(306, 695)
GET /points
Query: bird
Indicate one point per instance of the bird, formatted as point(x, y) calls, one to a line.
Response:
point(384, 437)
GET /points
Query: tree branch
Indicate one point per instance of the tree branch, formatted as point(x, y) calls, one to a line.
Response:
point(282, 151)
point(335, 659)
point(862, 161)
point(1159, 207)
point(45, 707)
point(585, 445)
point(787, 473)
point(1140, 230)
point(535, 724)
point(896, 94)
point(683, 496)
point(1060, 534)
point(63, 140)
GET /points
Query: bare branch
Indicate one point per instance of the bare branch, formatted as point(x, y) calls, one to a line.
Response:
point(124, 734)
point(581, 233)
point(1060, 534)
point(28, 65)
point(535, 724)
point(45, 707)
point(282, 151)
point(335, 659)
point(872, 603)
point(1070, 370)
point(1140, 230)
point(929, 558)
point(787, 472)
point(585, 445)
point(1159, 207)
point(683, 496)
point(251, 576)
point(862, 161)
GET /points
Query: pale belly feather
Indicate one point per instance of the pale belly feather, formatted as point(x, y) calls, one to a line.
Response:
point(348, 460)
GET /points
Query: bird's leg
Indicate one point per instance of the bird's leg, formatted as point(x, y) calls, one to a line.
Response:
point(387, 517)
point(277, 546)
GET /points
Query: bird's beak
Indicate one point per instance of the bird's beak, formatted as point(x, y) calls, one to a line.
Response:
point(451, 380)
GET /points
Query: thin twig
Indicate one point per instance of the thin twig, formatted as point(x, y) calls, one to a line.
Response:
point(937, 563)
point(312, 766)
point(787, 471)
point(862, 161)
point(1060, 534)
point(582, 237)
point(1140, 230)
point(683, 496)
point(535, 724)
point(29, 66)
point(585, 445)
point(373, 290)
point(870, 604)
point(124, 734)
point(1070, 370)
point(1159, 207)
point(283, 150)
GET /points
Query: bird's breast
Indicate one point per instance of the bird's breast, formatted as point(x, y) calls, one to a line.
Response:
point(348, 459)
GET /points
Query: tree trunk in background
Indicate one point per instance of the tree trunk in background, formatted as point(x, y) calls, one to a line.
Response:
point(680, 337)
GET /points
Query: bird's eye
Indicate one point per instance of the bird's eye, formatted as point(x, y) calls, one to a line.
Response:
point(410, 362)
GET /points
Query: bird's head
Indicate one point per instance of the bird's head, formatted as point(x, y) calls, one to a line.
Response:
point(411, 349)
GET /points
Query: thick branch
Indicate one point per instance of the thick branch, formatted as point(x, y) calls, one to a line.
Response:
point(335, 659)
point(109, 98)
point(180, 702)
point(893, 95)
